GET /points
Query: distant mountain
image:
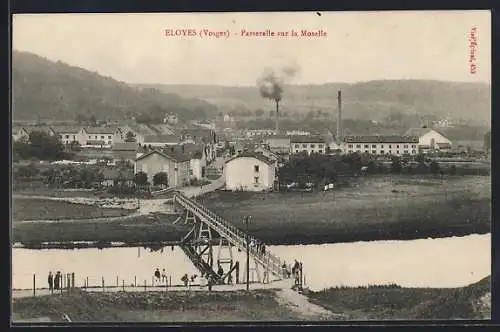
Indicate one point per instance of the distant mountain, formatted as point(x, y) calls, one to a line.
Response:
point(46, 90)
point(368, 100)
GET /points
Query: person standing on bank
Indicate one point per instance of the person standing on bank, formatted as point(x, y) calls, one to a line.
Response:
point(50, 279)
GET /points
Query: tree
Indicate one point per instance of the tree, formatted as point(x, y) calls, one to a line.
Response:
point(141, 179)
point(92, 120)
point(396, 166)
point(130, 137)
point(259, 112)
point(160, 179)
point(434, 167)
point(453, 170)
point(75, 146)
point(40, 145)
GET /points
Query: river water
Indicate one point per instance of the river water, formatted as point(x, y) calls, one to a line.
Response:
point(445, 262)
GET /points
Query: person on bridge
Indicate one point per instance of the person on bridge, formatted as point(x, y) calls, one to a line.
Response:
point(157, 275)
point(163, 276)
point(51, 282)
point(57, 280)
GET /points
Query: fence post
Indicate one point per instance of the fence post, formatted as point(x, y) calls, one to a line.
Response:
point(170, 281)
point(117, 281)
point(123, 285)
point(34, 285)
point(87, 286)
point(102, 284)
point(135, 281)
point(72, 279)
point(144, 284)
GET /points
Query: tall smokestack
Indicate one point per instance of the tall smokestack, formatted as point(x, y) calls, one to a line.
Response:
point(339, 116)
point(277, 117)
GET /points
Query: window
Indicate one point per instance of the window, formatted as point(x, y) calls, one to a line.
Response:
point(304, 145)
point(358, 146)
point(109, 137)
point(74, 137)
point(102, 136)
point(67, 136)
point(190, 171)
point(381, 146)
point(256, 168)
point(397, 146)
point(381, 151)
point(312, 146)
point(90, 137)
point(374, 151)
point(349, 151)
point(95, 136)
point(406, 152)
point(413, 152)
point(296, 151)
point(366, 147)
point(296, 145)
point(349, 146)
point(358, 151)
point(397, 152)
point(406, 146)
point(320, 151)
point(389, 146)
point(304, 150)
point(256, 179)
point(366, 151)
point(374, 146)
point(414, 146)
point(320, 146)
point(109, 142)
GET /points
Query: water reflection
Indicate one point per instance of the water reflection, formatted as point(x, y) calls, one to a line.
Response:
point(448, 262)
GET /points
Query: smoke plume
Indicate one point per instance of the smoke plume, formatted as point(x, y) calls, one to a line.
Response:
point(271, 82)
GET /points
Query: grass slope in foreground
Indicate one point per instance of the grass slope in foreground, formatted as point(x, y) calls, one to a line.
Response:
point(372, 303)
point(394, 302)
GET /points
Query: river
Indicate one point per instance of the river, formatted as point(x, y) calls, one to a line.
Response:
point(444, 262)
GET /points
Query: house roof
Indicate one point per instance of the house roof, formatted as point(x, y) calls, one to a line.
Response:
point(101, 130)
point(44, 129)
point(380, 139)
point(417, 132)
point(161, 139)
point(162, 129)
point(252, 154)
point(171, 155)
point(95, 142)
point(306, 139)
point(204, 134)
point(66, 129)
point(140, 129)
point(194, 151)
point(127, 146)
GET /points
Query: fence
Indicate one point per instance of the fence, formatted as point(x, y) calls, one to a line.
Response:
point(39, 285)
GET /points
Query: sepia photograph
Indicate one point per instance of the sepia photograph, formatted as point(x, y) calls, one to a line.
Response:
point(251, 167)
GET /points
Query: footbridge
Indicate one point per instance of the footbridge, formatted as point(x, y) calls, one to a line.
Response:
point(210, 233)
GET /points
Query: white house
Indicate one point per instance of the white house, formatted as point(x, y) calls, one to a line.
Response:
point(429, 139)
point(161, 140)
point(250, 171)
point(307, 144)
point(198, 159)
point(68, 134)
point(102, 136)
point(381, 144)
point(259, 132)
point(140, 131)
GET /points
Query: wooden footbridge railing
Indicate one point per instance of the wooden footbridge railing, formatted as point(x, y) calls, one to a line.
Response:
point(207, 222)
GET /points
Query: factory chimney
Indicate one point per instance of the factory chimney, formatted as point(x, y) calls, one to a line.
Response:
point(339, 116)
point(277, 117)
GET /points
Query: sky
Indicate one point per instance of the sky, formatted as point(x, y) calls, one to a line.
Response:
point(357, 47)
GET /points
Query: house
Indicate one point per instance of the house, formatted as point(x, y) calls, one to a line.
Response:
point(161, 140)
point(125, 151)
point(298, 132)
point(103, 136)
point(259, 132)
point(176, 166)
point(381, 144)
point(250, 171)
point(117, 177)
point(197, 155)
point(279, 144)
point(202, 135)
point(429, 139)
point(308, 144)
point(140, 131)
point(70, 134)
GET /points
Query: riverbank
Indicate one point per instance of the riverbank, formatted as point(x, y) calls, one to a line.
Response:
point(368, 303)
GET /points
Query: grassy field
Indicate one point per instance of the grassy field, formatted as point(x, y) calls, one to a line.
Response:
point(369, 303)
point(178, 306)
point(138, 229)
point(373, 208)
point(46, 209)
point(382, 303)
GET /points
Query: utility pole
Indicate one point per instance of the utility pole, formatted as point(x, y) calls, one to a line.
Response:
point(246, 221)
